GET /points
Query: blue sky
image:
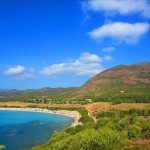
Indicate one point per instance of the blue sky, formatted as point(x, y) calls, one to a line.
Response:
point(62, 43)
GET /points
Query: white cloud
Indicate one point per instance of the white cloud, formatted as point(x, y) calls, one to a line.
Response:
point(123, 7)
point(120, 32)
point(108, 58)
point(108, 49)
point(24, 76)
point(14, 70)
point(19, 72)
point(86, 64)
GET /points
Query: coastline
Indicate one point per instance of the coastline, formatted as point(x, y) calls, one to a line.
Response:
point(73, 114)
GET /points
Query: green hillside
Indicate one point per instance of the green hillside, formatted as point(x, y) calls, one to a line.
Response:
point(45, 95)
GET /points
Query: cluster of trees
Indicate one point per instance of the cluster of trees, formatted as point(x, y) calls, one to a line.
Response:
point(114, 98)
point(129, 122)
point(123, 113)
point(122, 98)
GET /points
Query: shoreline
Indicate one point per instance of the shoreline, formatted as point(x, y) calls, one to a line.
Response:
point(73, 114)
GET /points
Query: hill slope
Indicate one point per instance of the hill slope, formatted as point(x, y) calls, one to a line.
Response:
point(120, 82)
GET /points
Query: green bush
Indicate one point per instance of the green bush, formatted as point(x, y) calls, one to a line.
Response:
point(89, 139)
point(146, 129)
point(134, 132)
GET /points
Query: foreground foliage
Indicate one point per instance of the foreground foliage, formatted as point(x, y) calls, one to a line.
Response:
point(113, 131)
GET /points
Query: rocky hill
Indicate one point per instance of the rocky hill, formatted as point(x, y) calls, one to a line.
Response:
point(120, 81)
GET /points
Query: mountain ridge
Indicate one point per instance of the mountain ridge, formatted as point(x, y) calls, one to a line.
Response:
point(128, 79)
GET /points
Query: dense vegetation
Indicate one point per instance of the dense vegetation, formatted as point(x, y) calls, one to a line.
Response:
point(120, 98)
point(114, 130)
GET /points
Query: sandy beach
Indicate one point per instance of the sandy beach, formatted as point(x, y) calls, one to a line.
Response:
point(73, 114)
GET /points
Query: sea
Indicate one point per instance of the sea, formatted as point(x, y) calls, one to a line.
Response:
point(21, 129)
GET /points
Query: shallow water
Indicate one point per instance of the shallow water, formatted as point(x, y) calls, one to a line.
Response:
point(27, 129)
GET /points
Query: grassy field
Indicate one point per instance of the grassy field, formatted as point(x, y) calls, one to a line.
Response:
point(23, 104)
point(106, 106)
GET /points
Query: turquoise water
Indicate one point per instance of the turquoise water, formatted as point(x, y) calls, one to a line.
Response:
point(27, 129)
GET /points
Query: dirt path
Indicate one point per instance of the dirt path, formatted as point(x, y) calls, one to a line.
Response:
point(141, 142)
point(92, 116)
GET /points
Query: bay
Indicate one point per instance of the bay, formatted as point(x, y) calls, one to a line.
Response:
point(20, 129)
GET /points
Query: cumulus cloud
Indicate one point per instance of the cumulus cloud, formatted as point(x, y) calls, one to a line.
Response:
point(120, 32)
point(14, 70)
point(108, 49)
point(20, 72)
point(123, 7)
point(86, 64)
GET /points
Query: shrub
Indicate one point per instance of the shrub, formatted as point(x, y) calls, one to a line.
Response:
point(89, 139)
point(134, 132)
point(146, 129)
